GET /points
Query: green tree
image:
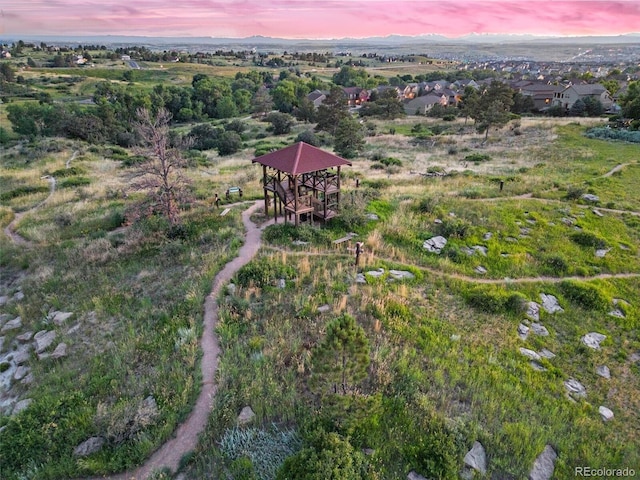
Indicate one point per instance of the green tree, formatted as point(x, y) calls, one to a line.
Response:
point(387, 105)
point(342, 359)
point(7, 74)
point(333, 109)
point(351, 77)
point(593, 107)
point(493, 107)
point(577, 109)
point(305, 111)
point(229, 143)
point(226, 107)
point(261, 103)
point(281, 123)
point(630, 101)
point(469, 102)
point(284, 96)
point(349, 137)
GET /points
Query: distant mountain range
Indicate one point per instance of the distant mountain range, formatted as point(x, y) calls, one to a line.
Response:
point(391, 40)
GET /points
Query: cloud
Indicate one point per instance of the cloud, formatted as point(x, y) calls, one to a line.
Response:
point(319, 19)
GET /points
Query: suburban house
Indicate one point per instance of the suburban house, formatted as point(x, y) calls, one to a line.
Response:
point(571, 94)
point(356, 95)
point(541, 93)
point(317, 97)
point(421, 105)
point(412, 90)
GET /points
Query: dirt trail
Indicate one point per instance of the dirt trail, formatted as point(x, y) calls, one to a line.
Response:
point(9, 230)
point(185, 438)
point(615, 169)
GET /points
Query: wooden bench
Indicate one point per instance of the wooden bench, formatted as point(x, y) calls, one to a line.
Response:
point(231, 190)
point(346, 238)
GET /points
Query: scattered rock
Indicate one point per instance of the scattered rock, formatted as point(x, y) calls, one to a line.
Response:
point(12, 324)
point(89, 447)
point(18, 296)
point(452, 214)
point(523, 331)
point(372, 217)
point(524, 232)
point(600, 253)
point(617, 313)
point(43, 340)
point(282, 283)
point(550, 303)
point(481, 249)
point(360, 278)
point(147, 411)
point(539, 329)
point(455, 337)
point(60, 317)
point(533, 311)
point(537, 366)
point(481, 270)
point(597, 213)
point(415, 476)
point(21, 355)
point(1, 343)
point(606, 413)
point(568, 221)
point(368, 451)
point(299, 243)
point(590, 197)
point(231, 289)
point(4, 300)
point(548, 354)
point(21, 405)
point(324, 308)
point(435, 244)
point(376, 273)
point(437, 221)
point(593, 339)
point(531, 221)
point(544, 465)
point(467, 250)
point(246, 416)
point(511, 239)
point(476, 458)
point(401, 275)
point(25, 337)
point(60, 351)
point(603, 371)
point(21, 372)
point(530, 354)
point(28, 380)
point(575, 388)
point(487, 236)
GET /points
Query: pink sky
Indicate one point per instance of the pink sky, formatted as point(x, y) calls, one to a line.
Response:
point(317, 19)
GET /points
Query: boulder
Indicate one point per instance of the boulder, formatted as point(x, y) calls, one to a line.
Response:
point(600, 253)
point(523, 331)
point(487, 236)
point(437, 221)
point(4, 300)
point(593, 339)
point(469, 251)
point(43, 340)
point(530, 354)
point(360, 278)
point(25, 337)
point(533, 311)
point(617, 313)
point(231, 289)
point(548, 354)
point(21, 405)
point(324, 308)
point(401, 275)
point(480, 270)
point(21, 355)
point(537, 366)
point(21, 372)
point(372, 217)
point(590, 197)
point(299, 243)
point(282, 283)
point(597, 213)
point(481, 250)
point(14, 324)
point(606, 413)
point(550, 303)
point(476, 458)
point(18, 296)
point(575, 388)
point(60, 351)
point(603, 371)
point(376, 273)
point(539, 329)
point(544, 465)
point(415, 476)
point(60, 317)
point(435, 244)
point(1, 343)
point(246, 416)
point(89, 447)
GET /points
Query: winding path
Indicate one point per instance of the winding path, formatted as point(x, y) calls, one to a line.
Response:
point(186, 436)
point(9, 230)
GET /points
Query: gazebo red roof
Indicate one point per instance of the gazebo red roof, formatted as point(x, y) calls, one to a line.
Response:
point(300, 158)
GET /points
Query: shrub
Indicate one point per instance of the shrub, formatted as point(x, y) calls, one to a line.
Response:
point(453, 227)
point(574, 192)
point(613, 134)
point(74, 182)
point(68, 172)
point(428, 205)
point(477, 157)
point(262, 272)
point(433, 452)
point(588, 239)
point(308, 137)
point(21, 191)
point(585, 295)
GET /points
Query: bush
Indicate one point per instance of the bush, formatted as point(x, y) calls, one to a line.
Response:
point(229, 143)
point(68, 172)
point(262, 272)
point(606, 133)
point(22, 191)
point(74, 182)
point(477, 157)
point(588, 239)
point(574, 192)
point(308, 137)
point(585, 295)
point(433, 452)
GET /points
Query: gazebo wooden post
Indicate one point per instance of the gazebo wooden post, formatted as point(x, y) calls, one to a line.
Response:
point(295, 199)
point(266, 192)
point(338, 193)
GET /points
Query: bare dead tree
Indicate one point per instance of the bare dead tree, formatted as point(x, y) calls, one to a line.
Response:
point(160, 175)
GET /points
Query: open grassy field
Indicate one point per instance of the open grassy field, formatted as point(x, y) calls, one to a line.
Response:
point(445, 367)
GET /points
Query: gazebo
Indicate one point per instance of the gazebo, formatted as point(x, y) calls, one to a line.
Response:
point(303, 181)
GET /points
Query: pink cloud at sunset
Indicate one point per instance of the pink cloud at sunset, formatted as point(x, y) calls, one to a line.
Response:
point(317, 19)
